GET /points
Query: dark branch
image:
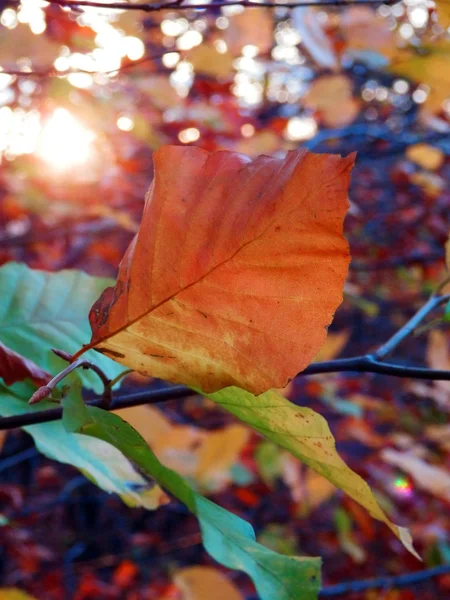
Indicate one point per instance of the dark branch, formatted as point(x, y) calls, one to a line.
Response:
point(368, 363)
point(177, 5)
point(52, 72)
point(404, 580)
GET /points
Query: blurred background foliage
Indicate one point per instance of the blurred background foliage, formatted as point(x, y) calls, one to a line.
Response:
point(86, 95)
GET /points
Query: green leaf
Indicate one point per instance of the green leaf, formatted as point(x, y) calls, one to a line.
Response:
point(100, 462)
point(228, 538)
point(40, 311)
point(307, 436)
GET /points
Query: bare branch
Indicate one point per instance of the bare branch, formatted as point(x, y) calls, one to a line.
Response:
point(177, 5)
point(52, 72)
point(368, 363)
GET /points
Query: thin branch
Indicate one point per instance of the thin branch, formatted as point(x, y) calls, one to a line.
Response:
point(368, 363)
point(410, 326)
point(396, 581)
point(177, 5)
point(127, 401)
point(52, 72)
point(46, 390)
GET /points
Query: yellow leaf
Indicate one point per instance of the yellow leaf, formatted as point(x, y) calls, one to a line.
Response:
point(220, 450)
point(250, 28)
point(364, 30)
point(306, 435)
point(205, 583)
point(334, 344)
point(235, 273)
point(426, 156)
point(206, 456)
point(331, 96)
point(429, 66)
point(14, 594)
point(443, 11)
point(207, 60)
point(263, 142)
point(309, 490)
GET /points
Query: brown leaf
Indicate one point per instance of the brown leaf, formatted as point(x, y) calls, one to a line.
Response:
point(250, 28)
point(206, 456)
point(204, 583)
point(438, 356)
point(15, 367)
point(235, 273)
point(334, 344)
point(331, 96)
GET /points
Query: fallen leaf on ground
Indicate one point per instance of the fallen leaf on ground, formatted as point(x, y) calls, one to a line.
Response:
point(207, 60)
point(206, 456)
point(426, 156)
point(250, 28)
point(332, 97)
point(334, 344)
point(201, 583)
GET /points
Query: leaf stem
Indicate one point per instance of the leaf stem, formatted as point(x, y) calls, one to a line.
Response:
point(368, 363)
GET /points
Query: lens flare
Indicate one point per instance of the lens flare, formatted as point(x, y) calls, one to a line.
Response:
point(65, 142)
point(403, 487)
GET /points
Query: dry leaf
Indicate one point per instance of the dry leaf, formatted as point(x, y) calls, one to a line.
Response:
point(309, 488)
point(206, 456)
point(430, 67)
point(235, 273)
point(207, 60)
point(204, 583)
point(220, 450)
point(426, 156)
point(443, 11)
point(15, 367)
point(439, 434)
point(313, 37)
point(432, 479)
point(334, 344)
point(364, 30)
point(250, 28)
point(14, 594)
point(332, 97)
point(263, 142)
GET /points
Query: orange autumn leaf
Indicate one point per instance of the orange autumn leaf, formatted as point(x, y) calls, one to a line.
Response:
point(198, 583)
point(235, 273)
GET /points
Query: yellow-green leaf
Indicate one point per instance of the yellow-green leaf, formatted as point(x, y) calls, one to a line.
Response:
point(307, 436)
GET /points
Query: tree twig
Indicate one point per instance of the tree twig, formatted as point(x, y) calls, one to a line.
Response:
point(177, 5)
point(46, 390)
point(410, 326)
point(52, 72)
point(367, 363)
